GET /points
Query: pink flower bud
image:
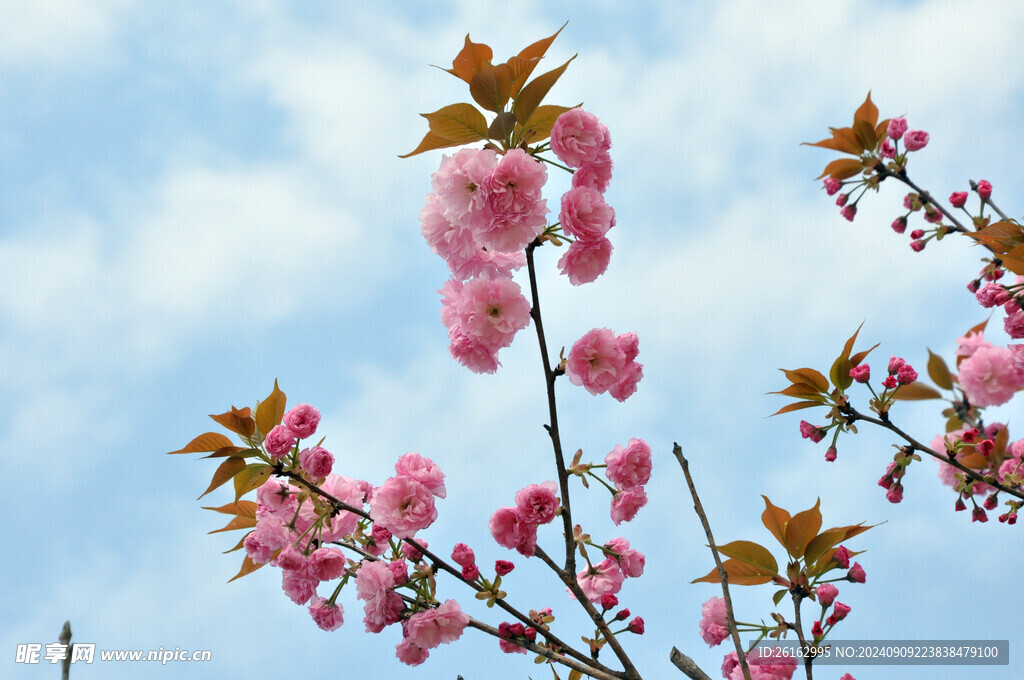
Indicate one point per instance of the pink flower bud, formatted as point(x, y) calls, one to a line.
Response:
point(463, 555)
point(816, 630)
point(841, 199)
point(609, 601)
point(832, 185)
point(899, 225)
point(831, 454)
point(826, 594)
point(960, 505)
point(856, 574)
point(637, 626)
point(979, 515)
point(622, 615)
point(897, 126)
point(841, 611)
point(895, 493)
point(470, 572)
point(991, 502)
point(842, 557)
point(958, 199)
point(917, 233)
point(503, 567)
point(861, 373)
point(984, 189)
point(887, 149)
point(849, 212)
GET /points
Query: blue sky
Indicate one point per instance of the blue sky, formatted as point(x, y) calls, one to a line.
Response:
point(200, 197)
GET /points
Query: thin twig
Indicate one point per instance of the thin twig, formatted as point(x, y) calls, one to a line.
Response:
point(687, 665)
point(65, 639)
point(677, 451)
point(808, 658)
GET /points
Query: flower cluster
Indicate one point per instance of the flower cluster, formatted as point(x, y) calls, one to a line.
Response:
point(516, 527)
point(602, 362)
point(629, 468)
point(604, 579)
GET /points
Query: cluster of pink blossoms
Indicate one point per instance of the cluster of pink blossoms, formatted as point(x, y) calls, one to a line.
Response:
point(598, 581)
point(580, 141)
point(629, 468)
point(602, 362)
point(516, 527)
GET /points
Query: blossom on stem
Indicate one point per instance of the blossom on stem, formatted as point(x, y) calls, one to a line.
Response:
point(602, 362)
point(985, 189)
point(537, 503)
point(629, 466)
point(327, 616)
point(826, 594)
point(302, 420)
point(403, 506)
point(915, 140)
point(627, 503)
point(578, 137)
point(585, 260)
point(714, 625)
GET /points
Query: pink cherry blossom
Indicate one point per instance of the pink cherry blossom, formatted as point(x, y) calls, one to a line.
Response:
point(383, 606)
point(992, 295)
point(1013, 324)
point(326, 564)
point(714, 626)
point(348, 491)
point(316, 460)
point(602, 578)
point(856, 573)
point(276, 497)
point(463, 555)
point(763, 665)
point(302, 420)
point(459, 183)
point(453, 241)
point(489, 312)
point(585, 215)
point(472, 353)
point(510, 530)
point(627, 504)
point(971, 343)
point(423, 470)
point(442, 624)
point(601, 362)
point(631, 561)
point(279, 442)
point(832, 185)
point(629, 466)
point(915, 140)
point(403, 506)
point(842, 557)
point(298, 585)
point(503, 567)
point(985, 189)
point(410, 654)
point(989, 377)
point(958, 199)
point(897, 126)
point(537, 503)
point(585, 260)
point(594, 175)
point(578, 137)
point(327, 616)
point(513, 191)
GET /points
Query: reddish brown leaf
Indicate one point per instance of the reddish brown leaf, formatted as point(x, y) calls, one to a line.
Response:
point(231, 451)
point(915, 391)
point(238, 546)
point(842, 168)
point(801, 529)
point(865, 133)
point(238, 420)
point(528, 58)
point(775, 520)
point(807, 376)
point(458, 123)
point(228, 469)
point(270, 411)
point(754, 553)
point(939, 372)
point(858, 358)
point(530, 97)
point(740, 574)
point(251, 477)
point(796, 406)
point(470, 60)
point(800, 390)
point(210, 441)
point(867, 112)
point(492, 86)
point(236, 523)
point(238, 508)
point(430, 142)
point(248, 566)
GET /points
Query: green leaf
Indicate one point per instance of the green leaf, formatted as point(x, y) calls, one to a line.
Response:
point(228, 469)
point(533, 94)
point(250, 478)
point(210, 441)
point(538, 127)
point(458, 123)
point(777, 597)
point(270, 411)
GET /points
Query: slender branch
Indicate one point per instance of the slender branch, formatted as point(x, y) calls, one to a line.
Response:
point(547, 653)
point(854, 415)
point(974, 187)
point(65, 639)
point(687, 665)
point(677, 451)
point(552, 428)
point(569, 579)
point(926, 197)
point(808, 658)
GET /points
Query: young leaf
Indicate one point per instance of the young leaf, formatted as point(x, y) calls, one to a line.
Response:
point(842, 168)
point(502, 125)
point(492, 86)
point(210, 441)
point(237, 420)
point(801, 390)
point(915, 391)
point(228, 469)
point(538, 127)
point(458, 123)
point(775, 520)
point(523, 64)
point(248, 566)
point(867, 112)
point(430, 142)
point(754, 553)
point(740, 574)
point(939, 372)
point(801, 529)
point(236, 523)
point(807, 376)
point(796, 406)
point(527, 101)
point(270, 411)
point(238, 546)
point(251, 477)
point(777, 597)
point(238, 508)
point(471, 59)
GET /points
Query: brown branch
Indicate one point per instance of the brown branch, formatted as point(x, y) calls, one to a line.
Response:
point(65, 639)
point(808, 658)
point(677, 451)
point(687, 665)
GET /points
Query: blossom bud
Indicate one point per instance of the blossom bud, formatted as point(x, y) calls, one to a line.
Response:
point(984, 189)
point(856, 574)
point(958, 199)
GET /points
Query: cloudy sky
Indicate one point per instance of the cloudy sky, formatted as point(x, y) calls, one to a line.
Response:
point(197, 198)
